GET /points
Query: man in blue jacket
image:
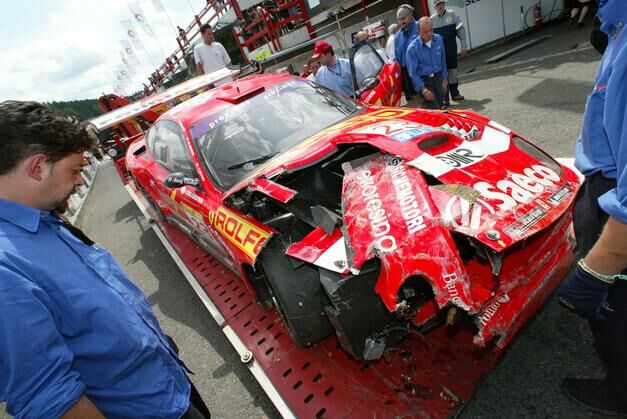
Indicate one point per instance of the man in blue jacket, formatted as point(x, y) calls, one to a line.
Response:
point(77, 338)
point(407, 33)
point(426, 64)
point(597, 287)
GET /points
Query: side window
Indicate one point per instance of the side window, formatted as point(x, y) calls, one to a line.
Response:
point(167, 146)
point(368, 63)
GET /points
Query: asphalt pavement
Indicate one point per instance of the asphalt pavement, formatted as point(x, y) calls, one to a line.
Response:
point(539, 92)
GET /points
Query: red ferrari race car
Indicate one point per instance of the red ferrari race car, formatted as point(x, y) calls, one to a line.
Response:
point(367, 222)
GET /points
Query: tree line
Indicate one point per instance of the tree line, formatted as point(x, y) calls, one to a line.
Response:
point(83, 109)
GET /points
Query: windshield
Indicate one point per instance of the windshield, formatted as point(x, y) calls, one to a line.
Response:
point(235, 140)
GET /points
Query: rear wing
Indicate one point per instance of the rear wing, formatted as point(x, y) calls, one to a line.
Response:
point(189, 87)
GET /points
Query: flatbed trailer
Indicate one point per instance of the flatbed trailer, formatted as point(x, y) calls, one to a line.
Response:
point(431, 376)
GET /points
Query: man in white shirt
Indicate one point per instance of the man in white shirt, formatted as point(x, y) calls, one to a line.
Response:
point(389, 44)
point(210, 56)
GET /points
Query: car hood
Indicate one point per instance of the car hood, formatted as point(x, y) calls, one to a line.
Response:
point(467, 173)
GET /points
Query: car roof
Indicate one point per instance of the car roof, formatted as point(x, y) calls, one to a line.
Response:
point(219, 98)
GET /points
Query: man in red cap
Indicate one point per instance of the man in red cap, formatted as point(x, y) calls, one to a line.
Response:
point(334, 73)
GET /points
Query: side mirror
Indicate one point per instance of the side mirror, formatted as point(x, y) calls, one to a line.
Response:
point(178, 180)
point(368, 84)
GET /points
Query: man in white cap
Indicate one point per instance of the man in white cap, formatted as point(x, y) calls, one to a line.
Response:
point(450, 27)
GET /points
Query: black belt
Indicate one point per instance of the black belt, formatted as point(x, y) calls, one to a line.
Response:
point(431, 76)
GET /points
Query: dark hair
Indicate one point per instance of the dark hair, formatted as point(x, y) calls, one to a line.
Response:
point(29, 128)
point(204, 27)
point(313, 60)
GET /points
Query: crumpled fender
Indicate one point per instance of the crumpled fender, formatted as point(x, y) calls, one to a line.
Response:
point(388, 213)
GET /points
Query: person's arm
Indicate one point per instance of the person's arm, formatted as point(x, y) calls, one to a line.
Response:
point(443, 60)
point(36, 376)
point(411, 60)
point(199, 69)
point(82, 409)
point(225, 56)
point(461, 34)
point(609, 254)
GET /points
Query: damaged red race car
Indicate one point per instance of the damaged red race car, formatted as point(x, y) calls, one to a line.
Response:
point(369, 223)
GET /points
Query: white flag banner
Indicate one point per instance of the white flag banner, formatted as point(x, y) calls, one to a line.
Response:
point(140, 17)
point(130, 52)
point(125, 60)
point(158, 6)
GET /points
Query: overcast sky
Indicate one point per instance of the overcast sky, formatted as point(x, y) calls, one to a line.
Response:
point(69, 49)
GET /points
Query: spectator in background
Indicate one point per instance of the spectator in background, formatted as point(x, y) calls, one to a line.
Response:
point(314, 66)
point(182, 35)
point(305, 72)
point(407, 33)
point(334, 73)
point(389, 44)
point(450, 27)
point(78, 338)
point(426, 64)
point(209, 55)
point(585, 6)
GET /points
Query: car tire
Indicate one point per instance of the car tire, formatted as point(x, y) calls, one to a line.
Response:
point(154, 208)
point(296, 294)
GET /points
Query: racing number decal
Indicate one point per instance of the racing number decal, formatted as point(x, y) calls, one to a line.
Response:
point(239, 232)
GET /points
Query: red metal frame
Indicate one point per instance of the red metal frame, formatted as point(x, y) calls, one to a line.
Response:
point(270, 29)
point(431, 376)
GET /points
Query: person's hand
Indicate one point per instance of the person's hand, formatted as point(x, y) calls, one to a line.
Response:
point(583, 292)
point(464, 51)
point(444, 85)
point(426, 93)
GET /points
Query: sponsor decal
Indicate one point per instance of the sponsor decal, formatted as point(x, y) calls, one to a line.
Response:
point(469, 152)
point(407, 203)
point(239, 231)
point(525, 222)
point(543, 204)
point(522, 187)
point(451, 286)
point(491, 310)
point(558, 196)
point(380, 224)
point(400, 131)
point(460, 213)
point(462, 157)
point(193, 196)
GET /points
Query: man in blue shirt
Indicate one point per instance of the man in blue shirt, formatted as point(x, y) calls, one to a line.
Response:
point(77, 337)
point(597, 287)
point(407, 33)
point(334, 73)
point(426, 63)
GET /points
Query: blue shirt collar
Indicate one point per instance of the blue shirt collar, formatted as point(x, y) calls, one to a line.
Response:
point(22, 216)
point(413, 27)
point(613, 15)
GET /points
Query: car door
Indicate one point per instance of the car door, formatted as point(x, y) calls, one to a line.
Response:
point(377, 79)
point(188, 205)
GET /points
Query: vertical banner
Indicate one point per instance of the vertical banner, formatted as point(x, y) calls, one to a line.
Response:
point(130, 53)
point(132, 34)
point(140, 17)
point(158, 6)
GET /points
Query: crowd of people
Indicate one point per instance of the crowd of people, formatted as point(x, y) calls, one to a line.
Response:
point(426, 51)
point(79, 339)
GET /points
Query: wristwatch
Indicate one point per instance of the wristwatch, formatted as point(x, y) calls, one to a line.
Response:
point(609, 279)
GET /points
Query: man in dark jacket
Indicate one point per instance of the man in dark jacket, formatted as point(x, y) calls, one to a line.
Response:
point(450, 27)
